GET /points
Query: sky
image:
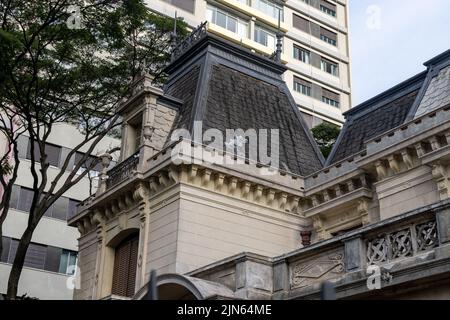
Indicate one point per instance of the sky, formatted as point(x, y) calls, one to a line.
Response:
point(391, 39)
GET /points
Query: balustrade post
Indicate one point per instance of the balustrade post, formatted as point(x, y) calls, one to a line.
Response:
point(354, 254)
point(443, 226)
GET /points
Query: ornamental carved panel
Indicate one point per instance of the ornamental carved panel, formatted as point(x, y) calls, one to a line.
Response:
point(325, 267)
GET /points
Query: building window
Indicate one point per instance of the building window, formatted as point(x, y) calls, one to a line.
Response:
point(330, 98)
point(328, 40)
point(302, 86)
point(328, 10)
point(329, 67)
point(265, 37)
point(269, 8)
point(331, 102)
point(187, 5)
point(63, 208)
point(91, 162)
point(328, 36)
point(41, 257)
point(68, 262)
point(125, 264)
point(53, 153)
point(302, 55)
point(227, 21)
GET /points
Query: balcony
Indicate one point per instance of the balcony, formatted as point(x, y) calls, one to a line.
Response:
point(122, 171)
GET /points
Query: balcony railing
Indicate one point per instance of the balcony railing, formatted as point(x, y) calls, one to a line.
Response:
point(122, 171)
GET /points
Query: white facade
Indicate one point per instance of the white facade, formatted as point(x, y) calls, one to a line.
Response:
point(42, 281)
point(254, 15)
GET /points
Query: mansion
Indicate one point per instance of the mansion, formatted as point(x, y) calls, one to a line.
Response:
point(249, 230)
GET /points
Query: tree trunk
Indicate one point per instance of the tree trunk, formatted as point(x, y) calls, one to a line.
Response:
point(19, 260)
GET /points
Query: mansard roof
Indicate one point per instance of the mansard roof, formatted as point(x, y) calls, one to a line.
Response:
point(229, 87)
point(416, 96)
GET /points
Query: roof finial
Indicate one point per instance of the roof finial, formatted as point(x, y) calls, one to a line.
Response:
point(174, 33)
point(279, 49)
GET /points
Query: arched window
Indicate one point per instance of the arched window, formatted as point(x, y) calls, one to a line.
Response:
point(125, 264)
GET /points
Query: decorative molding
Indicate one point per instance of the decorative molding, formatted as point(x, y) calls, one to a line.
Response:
point(327, 266)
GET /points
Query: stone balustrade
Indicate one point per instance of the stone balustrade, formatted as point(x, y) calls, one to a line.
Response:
point(404, 247)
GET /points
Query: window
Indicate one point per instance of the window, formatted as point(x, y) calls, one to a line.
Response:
point(331, 102)
point(227, 21)
point(68, 262)
point(329, 67)
point(330, 98)
point(328, 40)
point(265, 37)
point(269, 8)
point(63, 208)
point(301, 23)
point(53, 153)
point(302, 86)
point(187, 5)
point(125, 264)
point(328, 36)
point(25, 199)
point(302, 55)
point(89, 162)
point(40, 256)
point(72, 211)
point(328, 10)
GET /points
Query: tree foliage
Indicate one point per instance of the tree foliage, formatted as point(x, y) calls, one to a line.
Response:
point(325, 135)
point(57, 72)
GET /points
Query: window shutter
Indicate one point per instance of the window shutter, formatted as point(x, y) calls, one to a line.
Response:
point(315, 59)
point(35, 257)
point(315, 30)
point(328, 5)
point(60, 208)
point(330, 95)
point(72, 211)
point(188, 5)
point(25, 199)
point(302, 82)
point(53, 153)
point(125, 264)
point(132, 267)
point(53, 259)
point(328, 34)
point(301, 23)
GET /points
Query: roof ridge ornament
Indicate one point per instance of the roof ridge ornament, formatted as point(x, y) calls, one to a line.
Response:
point(196, 35)
point(276, 56)
point(173, 36)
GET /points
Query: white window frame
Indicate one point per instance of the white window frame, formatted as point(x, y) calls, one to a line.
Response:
point(303, 55)
point(268, 33)
point(242, 27)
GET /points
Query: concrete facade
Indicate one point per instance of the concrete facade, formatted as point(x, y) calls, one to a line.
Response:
point(251, 13)
point(51, 232)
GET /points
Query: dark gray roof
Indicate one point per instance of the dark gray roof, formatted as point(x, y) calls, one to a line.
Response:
point(392, 108)
point(370, 125)
point(228, 87)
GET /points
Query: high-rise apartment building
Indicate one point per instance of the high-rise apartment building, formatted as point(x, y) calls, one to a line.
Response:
point(50, 263)
point(315, 43)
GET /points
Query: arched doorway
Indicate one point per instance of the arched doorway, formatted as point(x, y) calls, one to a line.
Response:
point(125, 265)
